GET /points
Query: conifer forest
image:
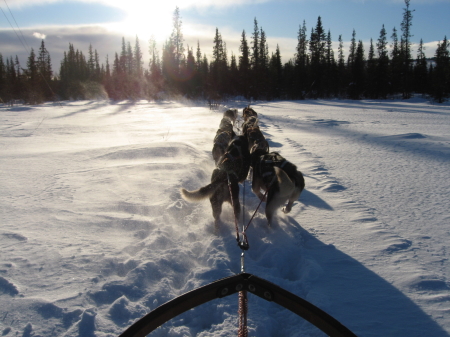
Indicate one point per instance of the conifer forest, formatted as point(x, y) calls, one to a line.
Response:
point(385, 68)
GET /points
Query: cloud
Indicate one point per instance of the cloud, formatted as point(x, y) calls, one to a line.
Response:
point(39, 36)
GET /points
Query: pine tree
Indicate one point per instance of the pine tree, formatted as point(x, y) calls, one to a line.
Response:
point(406, 50)
point(441, 72)
point(301, 61)
point(218, 66)
point(137, 61)
point(317, 44)
point(276, 74)
point(330, 67)
point(91, 63)
point(341, 70)
point(352, 52)
point(357, 86)
point(244, 66)
point(44, 66)
point(371, 72)
point(97, 69)
point(129, 64)
point(199, 75)
point(255, 62)
point(122, 66)
point(421, 70)
point(177, 40)
point(234, 75)
point(155, 73)
point(33, 94)
point(396, 63)
point(263, 73)
point(188, 71)
point(382, 72)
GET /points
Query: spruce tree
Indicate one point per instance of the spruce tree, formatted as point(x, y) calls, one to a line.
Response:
point(317, 44)
point(234, 75)
point(137, 61)
point(406, 50)
point(33, 94)
point(301, 60)
point(177, 39)
point(421, 70)
point(341, 70)
point(358, 76)
point(155, 73)
point(352, 51)
point(396, 64)
point(44, 66)
point(382, 72)
point(371, 72)
point(441, 72)
point(255, 61)
point(330, 67)
point(91, 63)
point(263, 73)
point(276, 74)
point(244, 66)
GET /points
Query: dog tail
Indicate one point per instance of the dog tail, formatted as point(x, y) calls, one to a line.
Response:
point(200, 194)
point(287, 186)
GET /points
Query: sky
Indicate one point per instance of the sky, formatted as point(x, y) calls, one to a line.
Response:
point(102, 23)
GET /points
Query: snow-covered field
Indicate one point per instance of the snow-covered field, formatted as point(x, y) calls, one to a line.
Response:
point(94, 233)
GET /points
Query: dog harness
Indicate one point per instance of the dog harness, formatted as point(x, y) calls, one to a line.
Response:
point(268, 161)
point(233, 154)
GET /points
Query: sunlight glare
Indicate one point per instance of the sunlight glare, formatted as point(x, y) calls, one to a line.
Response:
point(148, 20)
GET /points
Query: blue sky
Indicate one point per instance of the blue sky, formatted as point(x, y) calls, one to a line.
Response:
point(103, 23)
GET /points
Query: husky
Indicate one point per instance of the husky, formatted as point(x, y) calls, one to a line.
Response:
point(279, 178)
point(248, 112)
point(231, 114)
point(224, 135)
point(231, 170)
point(255, 137)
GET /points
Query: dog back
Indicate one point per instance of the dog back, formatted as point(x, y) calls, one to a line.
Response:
point(274, 159)
point(236, 159)
point(248, 112)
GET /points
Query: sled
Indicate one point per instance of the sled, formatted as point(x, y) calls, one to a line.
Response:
point(231, 285)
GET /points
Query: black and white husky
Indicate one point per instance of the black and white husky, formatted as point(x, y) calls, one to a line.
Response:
point(280, 180)
point(232, 168)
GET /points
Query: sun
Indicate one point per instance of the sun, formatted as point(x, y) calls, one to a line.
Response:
point(147, 20)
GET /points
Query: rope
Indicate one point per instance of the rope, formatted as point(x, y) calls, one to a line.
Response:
point(243, 310)
point(232, 205)
point(243, 244)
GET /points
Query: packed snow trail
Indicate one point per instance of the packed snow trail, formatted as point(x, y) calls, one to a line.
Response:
point(95, 234)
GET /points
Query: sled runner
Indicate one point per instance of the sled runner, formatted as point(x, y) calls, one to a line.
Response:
point(231, 285)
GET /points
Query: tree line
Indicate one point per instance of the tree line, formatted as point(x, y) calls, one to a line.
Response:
point(314, 72)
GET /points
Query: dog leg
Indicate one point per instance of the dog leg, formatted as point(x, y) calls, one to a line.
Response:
point(236, 203)
point(271, 206)
point(294, 197)
point(216, 205)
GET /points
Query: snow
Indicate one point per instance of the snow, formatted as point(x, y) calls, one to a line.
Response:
point(94, 233)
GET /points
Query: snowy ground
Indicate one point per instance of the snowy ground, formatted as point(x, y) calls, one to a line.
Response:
point(94, 233)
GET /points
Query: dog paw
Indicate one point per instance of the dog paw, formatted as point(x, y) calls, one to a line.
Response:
point(286, 210)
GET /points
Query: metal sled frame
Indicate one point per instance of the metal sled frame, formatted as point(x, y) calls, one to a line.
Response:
point(231, 285)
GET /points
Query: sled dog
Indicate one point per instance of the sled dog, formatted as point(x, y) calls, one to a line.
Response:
point(279, 178)
point(233, 167)
point(231, 114)
point(248, 112)
point(223, 136)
